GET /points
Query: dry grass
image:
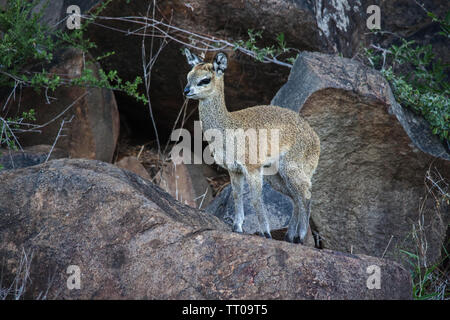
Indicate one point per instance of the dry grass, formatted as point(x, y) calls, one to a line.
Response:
point(431, 281)
point(18, 286)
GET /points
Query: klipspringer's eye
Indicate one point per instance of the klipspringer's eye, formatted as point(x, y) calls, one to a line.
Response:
point(204, 82)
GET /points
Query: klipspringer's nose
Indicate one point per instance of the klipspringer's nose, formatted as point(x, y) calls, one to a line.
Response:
point(186, 90)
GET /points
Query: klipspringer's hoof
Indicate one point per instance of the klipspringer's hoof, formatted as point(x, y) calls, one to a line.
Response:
point(296, 239)
point(236, 228)
point(265, 235)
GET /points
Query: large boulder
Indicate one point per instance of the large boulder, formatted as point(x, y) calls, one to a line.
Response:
point(29, 156)
point(187, 183)
point(134, 165)
point(278, 206)
point(175, 179)
point(130, 240)
point(91, 118)
point(368, 190)
point(55, 14)
point(199, 174)
point(343, 24)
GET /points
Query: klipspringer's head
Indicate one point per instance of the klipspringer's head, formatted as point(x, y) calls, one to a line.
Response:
point(205, 79)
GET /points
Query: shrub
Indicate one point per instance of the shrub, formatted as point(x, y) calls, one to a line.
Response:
point(418, 78)
point(27, 48)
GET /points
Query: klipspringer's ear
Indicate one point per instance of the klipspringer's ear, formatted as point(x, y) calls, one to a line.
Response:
point(192, 59)
point(220, 63)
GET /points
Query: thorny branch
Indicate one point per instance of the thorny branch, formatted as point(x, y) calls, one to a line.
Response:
point(58, 135)
point(182, 36)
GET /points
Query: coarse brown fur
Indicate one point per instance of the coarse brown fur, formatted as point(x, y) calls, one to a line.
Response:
point(296, 155)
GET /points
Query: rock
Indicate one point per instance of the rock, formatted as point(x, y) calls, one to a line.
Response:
point(369, 184)
point(176, 180)
point(279, 208)
point(343, 24)
point(132, 164)
point(131, 240)
point(94, 129)
point(30, 156)
point(202, 190)
point(187, 182)
point(56, 13)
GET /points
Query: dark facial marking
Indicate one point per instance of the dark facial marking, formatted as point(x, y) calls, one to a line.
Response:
point(204, 82)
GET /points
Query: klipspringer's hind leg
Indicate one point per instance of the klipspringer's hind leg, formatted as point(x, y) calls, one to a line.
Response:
point(255, 183)
point(291, 234)
point(299, 223)
point(303, 223)
point(298, 185)
point(237, 185)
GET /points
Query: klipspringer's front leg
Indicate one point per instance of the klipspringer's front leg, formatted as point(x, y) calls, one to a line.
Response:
point(255, 184)
point(303, 223)
point(292, 231)
point(237, 185)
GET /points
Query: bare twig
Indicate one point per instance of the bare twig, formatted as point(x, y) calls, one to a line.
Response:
point(13, 93)
point(62, 112)
point(147, 68)
point(6, 132)
point(182, 36)
point(384, 52)
point(18, 286)
point(203, 198)
point(385, 250)
point(58, 136)
point(140, 151)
